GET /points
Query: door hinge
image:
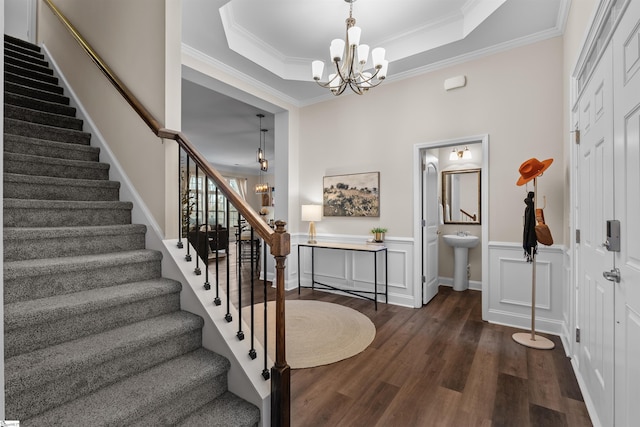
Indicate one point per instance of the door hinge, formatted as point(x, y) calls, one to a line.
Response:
point(577, 136)
point(423, 222)
point(577, 236)
point(577, 334)
point(424, 279)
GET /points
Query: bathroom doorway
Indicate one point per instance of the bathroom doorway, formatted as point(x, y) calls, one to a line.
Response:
point(431, 268)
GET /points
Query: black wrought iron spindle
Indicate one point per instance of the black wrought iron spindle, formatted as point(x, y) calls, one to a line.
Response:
point(180, 201)
point(228, 316)
point(207, 245)
point(240, 334)
point(187, 257)
point(252, 352)
point(265, 372)
point(197, 269)
point(217, 301)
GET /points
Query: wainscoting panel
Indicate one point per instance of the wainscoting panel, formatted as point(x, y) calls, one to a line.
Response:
point(509, 290)
point(354, 270)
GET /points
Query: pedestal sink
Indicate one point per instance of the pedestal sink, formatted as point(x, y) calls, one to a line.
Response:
point(461, 245)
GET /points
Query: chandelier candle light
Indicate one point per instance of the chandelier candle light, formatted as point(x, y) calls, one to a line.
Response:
point(350, 59)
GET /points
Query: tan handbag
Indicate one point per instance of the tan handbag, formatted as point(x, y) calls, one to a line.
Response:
point(543, 233)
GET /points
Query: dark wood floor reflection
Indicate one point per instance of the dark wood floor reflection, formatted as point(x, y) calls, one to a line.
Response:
point(440, 365)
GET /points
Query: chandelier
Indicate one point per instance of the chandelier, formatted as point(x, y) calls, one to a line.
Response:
point(350, 59)
point(262, 187)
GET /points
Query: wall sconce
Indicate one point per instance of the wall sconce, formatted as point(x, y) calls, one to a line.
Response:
point(311, 213)
point(461, 154)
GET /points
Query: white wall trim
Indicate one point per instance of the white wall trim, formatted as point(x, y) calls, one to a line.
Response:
point(509, 295)
point(353, 270)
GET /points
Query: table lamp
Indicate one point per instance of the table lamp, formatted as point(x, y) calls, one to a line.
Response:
point(311, 213)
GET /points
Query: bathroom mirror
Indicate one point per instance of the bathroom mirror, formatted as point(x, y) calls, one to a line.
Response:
point(461, 196)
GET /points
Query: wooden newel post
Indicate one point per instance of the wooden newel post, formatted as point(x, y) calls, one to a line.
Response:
point(280, 372)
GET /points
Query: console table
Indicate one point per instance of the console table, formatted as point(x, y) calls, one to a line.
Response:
point(373, 249)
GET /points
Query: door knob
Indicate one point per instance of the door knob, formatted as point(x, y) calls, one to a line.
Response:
point(613, 275)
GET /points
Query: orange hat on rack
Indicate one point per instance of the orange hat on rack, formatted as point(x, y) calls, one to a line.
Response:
point(532, 168)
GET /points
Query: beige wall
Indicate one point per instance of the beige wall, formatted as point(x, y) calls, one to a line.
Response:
point(515, 96)
point(132, 39)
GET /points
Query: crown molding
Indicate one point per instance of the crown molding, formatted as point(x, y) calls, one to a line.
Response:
point(245, 78)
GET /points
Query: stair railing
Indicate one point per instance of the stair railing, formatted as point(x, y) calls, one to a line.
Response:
point(278, 240)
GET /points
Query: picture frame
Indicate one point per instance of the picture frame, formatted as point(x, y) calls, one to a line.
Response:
point(351, 195)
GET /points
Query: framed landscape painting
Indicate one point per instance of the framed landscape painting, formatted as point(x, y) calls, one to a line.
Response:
point(351, 195)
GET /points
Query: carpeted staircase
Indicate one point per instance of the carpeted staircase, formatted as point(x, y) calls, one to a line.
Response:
point(93, 334)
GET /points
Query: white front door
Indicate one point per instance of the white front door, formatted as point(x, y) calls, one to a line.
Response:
point(431, 221)
point(595, 207)
point(626, 60)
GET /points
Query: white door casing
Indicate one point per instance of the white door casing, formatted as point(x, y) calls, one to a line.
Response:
point(431, 218)
point(595, 207)
point(626, 68)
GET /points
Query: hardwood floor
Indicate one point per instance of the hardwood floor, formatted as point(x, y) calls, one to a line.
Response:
point(440, 365)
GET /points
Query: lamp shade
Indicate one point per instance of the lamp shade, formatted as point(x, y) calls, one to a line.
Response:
point(311, 213)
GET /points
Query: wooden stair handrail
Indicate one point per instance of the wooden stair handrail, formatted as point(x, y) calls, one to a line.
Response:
point(264, 231)
point(278, 240)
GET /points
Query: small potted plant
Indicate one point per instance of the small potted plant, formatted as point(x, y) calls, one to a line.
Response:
point(378, 233)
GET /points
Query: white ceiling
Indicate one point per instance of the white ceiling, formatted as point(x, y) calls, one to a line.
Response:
point(271, 43)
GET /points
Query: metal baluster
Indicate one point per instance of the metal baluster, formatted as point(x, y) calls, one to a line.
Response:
point(240, 334)
point(252, 352)
point(217, 301)
point(187, 257)
point(180, 201)
point(207, 285)
point(228, 316)
point(197, 269)
point(265, 372)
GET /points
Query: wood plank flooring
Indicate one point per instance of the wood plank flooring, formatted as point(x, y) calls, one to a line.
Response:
point(440, 365)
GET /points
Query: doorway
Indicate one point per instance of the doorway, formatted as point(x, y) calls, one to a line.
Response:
point(428, 213)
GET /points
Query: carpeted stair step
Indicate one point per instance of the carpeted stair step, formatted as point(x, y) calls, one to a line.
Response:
point(161, 395)
point(227, 410)
point(62, 213)
point(26, 164)
point(11, 51)
point(42, 147)
point(33, 83)
point(41, 117)
point(31, 73)
point(50, 133)
point(39, 105)
point(17, 186)
point(35, 93)
point(38, 381)
point(46, 277)
point(36, 324)
point(14, 41)
point(28, 63)
point(34, 243)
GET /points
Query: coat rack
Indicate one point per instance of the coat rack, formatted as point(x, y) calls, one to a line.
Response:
point(533, 168)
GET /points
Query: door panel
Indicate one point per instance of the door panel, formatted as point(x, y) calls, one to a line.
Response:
point(626, 45)
point(596, 294)
point(431, 217)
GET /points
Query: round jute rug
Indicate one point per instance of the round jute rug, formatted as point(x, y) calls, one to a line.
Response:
point(317, 333)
